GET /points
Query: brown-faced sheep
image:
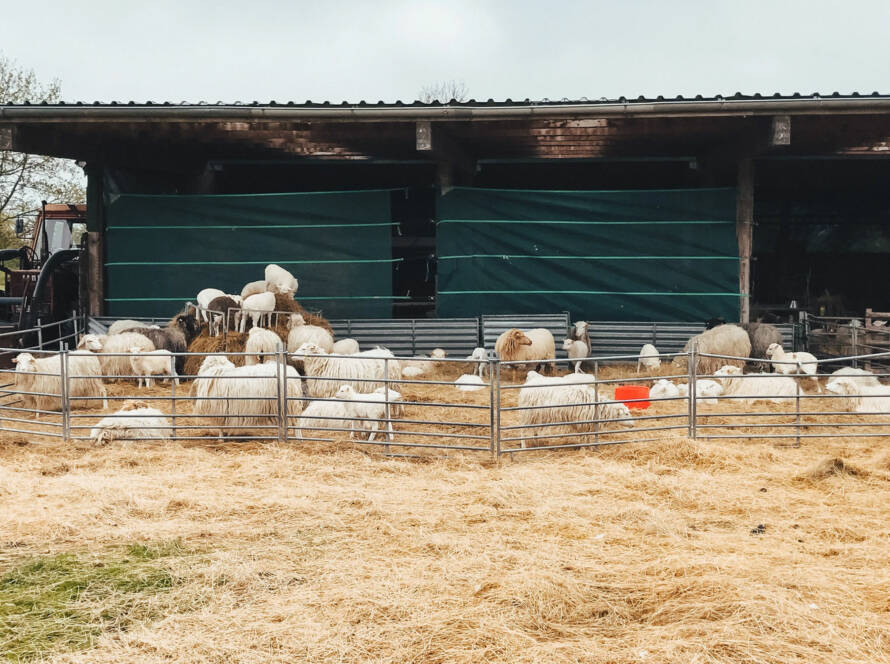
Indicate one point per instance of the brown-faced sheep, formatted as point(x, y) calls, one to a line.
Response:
point(516, 345)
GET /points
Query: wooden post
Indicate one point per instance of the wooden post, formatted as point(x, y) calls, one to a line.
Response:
point(745, 235)
point(96, 288)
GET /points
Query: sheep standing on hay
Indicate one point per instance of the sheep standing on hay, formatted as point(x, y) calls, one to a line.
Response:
point(762, 335)
point(300, 333)
point(220, 387)
point(516, 345)
point(576, 350)
point(794, 363)
point(116, 365)
point(260, 340)
point(204, 298)
point(153, 363)
point(279, 280)
point(479, 356)
point(332, 417)
point(860, 376)
point(175, 337)
point(253, 288)
point(370, 409)
point(258, 307)
point(721, 340)
point(134, 421)
point(364, 371)
point(45, 375)
point(569, 400)
point(648, 358)
point(860, 397)
point(756, 387)
point(223, 304)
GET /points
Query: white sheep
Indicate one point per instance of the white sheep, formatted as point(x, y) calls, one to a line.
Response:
point(395, 398)
point(44, 375)
point(469, 383)
point(346, 346)
point(253, 288)
point(412, 371)
point(860, 376)
point(334, 415)
point(706, 391)
point(221, 388)
point(859, 397)
point(110, 347)
point(648, 358)
point(260, 340)
point(479, 357)
point(794, 363)
point(363, 371)
point(576, 350)
point(119, 326)
point(153, 363)
point(370, 409)
point(134, 421)
point(516, 345)
point(259, 307)
point(204, 298)
point(567, 400)
point(438, 353)
point(775, 388)
point(279, 280)
point(301, 333)
point(664, 389)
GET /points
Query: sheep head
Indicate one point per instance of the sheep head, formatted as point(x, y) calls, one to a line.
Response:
point(135, 349)
point(188, 325)
point(728, 370)
point(213, 362)
point(438, 353)
point(345, 392)
point(25, 362)
point(90, 342)
point(772, 349)
point(295, 320)
point(512, 342)
point(581, 328)
point(568, 343)
point(310, 348)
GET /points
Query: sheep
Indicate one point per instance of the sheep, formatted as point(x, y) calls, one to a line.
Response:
point(706, 391)
point(260, 340)
point(175, 337)
point(371, 410)
point(345, 347)
point(859, 397)
point(664, 389)
point(134, 421)
point(576, 350)
point(222, 304)
point(761, 336)
point(517, 345)
point(334, 416)
point(580, 331)
point(569, 400)
point(648, 358)
point(364, 371)
point(119, 326)
point(220, 388)
point(438, 353)
point(44, 375)
point(116, 365)
point(757, 386)
point(711, 323)
point(300, 333)
point(469, 383)
point(412, 371)
point(479, 357)
point(253, 288)
point(721, 340)
point(395, 400)
point(204, 298)
point(279, 280)
point(258, 307)
point(860, 376)
point(794, 363)
point(153, 363)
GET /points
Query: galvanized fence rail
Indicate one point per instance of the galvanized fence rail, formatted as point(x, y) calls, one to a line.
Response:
point(512, 412)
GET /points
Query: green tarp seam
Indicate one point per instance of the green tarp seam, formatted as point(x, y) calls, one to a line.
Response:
point(358, 260)
point(595, 258)
point(713, 222)
point(582, 292)
point(247, 226)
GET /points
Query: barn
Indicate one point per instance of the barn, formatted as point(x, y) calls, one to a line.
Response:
point(669, 209)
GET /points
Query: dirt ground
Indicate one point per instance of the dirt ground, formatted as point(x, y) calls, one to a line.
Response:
point(670, 550)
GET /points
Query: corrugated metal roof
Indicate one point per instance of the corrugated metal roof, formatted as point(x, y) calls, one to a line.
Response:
point(738, 96)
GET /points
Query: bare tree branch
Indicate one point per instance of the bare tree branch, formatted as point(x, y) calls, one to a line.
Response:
point(444, 92)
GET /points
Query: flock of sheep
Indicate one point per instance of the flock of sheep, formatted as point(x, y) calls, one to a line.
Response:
point(334, 385)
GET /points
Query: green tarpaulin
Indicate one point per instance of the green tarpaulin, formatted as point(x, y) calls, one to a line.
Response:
point(161, 250)
point(604, 255)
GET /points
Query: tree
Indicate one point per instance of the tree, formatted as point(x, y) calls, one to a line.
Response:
point(27, 179)
point(444, 91)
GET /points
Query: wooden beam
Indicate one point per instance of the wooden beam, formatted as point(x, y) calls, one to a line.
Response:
point(745, 234)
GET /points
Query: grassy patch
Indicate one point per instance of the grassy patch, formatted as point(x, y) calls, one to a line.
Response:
point(63, 602)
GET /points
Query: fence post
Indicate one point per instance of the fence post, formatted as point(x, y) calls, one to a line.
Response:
point(492, 411)
point(173, 379)
point(281, 364)
point(797, 411)
point(596, 402)
point(76, 335)
point(386, 400)
point(853, 339)
point(64, 396)
point(692, 362)
point(39, 334)
point(497, 440)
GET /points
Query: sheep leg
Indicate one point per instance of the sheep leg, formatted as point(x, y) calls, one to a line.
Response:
point(390, 435)
point(104, 397)
point(373, 433)
point(578, 366)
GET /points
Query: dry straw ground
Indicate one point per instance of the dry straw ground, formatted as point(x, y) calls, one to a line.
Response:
point(670, 551)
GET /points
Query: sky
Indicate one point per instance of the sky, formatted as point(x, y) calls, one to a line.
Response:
point(370, 50)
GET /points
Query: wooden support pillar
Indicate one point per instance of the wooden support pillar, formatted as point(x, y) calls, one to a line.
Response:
point(745, 234)
point(95, 290)
point(95, 287)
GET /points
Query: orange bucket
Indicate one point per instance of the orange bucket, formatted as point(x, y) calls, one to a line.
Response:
point(626, 394)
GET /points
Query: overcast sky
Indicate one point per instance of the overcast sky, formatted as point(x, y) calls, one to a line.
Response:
point(297, 50)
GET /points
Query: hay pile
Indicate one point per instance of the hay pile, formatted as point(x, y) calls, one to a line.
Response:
point(233, 342)
point(287, 303)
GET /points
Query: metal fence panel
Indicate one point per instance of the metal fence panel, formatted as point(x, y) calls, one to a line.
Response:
point(412, 336)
